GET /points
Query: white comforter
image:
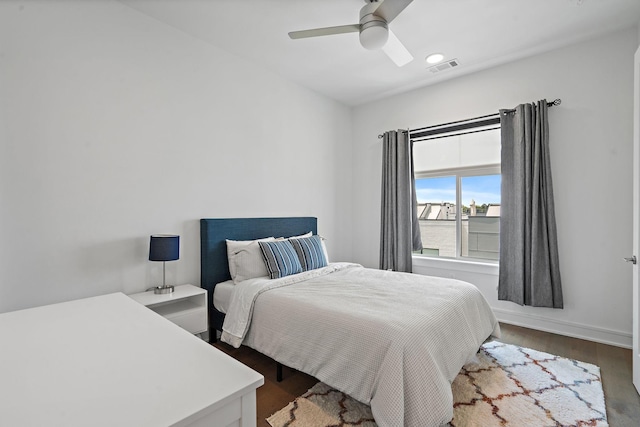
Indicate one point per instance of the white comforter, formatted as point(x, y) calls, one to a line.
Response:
point(392, 340)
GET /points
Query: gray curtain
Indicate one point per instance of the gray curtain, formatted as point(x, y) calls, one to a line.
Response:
point(529, 266)
point(399, 229)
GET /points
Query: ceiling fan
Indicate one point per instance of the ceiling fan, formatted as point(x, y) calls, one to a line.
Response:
point(374, 30)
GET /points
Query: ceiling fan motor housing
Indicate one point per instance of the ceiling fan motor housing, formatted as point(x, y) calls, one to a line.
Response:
point(374, 31)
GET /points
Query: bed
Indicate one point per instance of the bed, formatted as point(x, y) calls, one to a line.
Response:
point(392, 340)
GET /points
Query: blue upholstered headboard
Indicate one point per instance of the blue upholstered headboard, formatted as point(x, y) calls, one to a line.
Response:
point(214, 267)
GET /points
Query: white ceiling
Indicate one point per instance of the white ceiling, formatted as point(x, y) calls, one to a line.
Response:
point(479, 33)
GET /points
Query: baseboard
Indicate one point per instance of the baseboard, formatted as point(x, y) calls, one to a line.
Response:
point(562, 327)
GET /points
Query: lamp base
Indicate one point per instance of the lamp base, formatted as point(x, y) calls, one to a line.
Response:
point(164, 289)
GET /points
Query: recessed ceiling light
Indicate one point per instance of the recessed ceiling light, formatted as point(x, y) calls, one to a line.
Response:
point(435, 58)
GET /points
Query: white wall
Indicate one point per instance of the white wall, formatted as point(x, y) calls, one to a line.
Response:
point(114, 126)
point(591, 154)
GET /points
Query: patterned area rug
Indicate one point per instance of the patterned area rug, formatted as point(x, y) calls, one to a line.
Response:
point(505, 385)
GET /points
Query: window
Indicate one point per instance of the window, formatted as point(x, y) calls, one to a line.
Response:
point(458, 191)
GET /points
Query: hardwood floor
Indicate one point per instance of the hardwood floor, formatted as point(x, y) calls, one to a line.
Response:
point(622, 400)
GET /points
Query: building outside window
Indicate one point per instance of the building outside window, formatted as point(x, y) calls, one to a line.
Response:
point(458, 191)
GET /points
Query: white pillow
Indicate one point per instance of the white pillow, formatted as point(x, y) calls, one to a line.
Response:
point(245, 259)
point(309, 234)
point(324, 249)
point(302, 236)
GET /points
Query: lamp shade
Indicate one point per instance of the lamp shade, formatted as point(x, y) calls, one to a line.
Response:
point(164, 247)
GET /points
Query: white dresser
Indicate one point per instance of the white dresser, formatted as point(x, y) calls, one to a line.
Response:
point(110, 361)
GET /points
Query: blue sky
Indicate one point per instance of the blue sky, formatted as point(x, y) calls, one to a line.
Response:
point(482, 189)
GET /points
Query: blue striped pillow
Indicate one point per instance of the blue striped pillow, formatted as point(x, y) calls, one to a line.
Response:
point(310, 252)
point(280, 258)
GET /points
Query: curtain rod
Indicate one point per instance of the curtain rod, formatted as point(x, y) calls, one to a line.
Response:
point(475, 121)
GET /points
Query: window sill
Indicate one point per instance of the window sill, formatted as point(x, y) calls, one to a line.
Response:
point(478, 267)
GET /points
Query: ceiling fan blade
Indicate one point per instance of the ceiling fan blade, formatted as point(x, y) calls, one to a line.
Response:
point(327, 31)
point(389, 9)
point(396, 51)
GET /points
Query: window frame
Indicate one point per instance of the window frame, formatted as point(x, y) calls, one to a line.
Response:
point(459, 173)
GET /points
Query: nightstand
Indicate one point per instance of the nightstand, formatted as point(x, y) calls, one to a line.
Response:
point(186, 306)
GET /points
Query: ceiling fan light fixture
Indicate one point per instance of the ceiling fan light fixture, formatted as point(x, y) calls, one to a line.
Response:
point(373, 29)
point(374, 35)
point(435, 58)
